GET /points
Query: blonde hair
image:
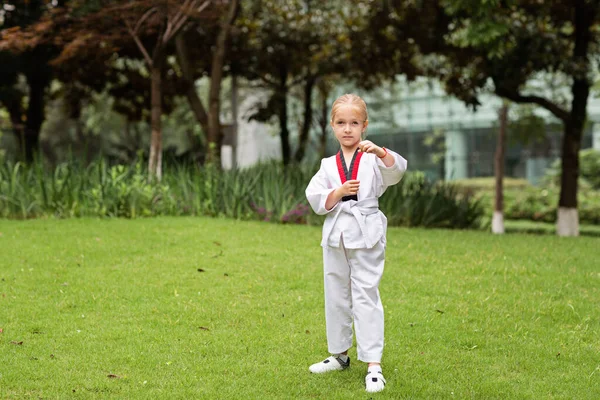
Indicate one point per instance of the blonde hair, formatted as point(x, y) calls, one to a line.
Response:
point(351, 100)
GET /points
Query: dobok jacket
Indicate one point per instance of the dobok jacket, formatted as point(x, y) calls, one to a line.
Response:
point(357, 218)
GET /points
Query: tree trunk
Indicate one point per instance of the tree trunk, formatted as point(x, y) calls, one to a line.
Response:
point(284, 133)
point(15, 112)
point(188, 80)
point(498, 218)
point(307, 123)
point(568, 219)
point(234, 115)
point(570, 166)
point(323, 120)
point(216, 76)
point(35, 115)
point(155, 160)
point(82, 142)
point(323, 138)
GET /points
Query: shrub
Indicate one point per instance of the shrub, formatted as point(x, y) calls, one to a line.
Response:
point(589, 170)
point(540, 204)
point(589, 165)
point(417, 201)
point(268, 192)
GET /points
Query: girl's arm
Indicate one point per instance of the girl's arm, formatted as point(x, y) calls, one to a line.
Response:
point(388, 159)
point(392, 174)
point(391, 165)
point(349, 188)
point(320, 194)
point(333, 198)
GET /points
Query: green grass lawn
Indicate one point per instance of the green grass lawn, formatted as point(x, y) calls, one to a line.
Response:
point(197, 308)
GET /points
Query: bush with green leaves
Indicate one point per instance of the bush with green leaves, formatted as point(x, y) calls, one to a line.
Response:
point(417, 201)
point(269, 192)
point(541, 204)
point(534, 203)
point(589, 166)
point(589, 170)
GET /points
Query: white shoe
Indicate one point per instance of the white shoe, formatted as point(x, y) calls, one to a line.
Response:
point(329, 364)
point(374, 381)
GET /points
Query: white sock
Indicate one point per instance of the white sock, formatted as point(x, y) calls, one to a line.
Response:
point(374, 368)
point(374, 381)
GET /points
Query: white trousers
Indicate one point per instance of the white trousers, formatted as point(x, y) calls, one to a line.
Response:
point(352, 294)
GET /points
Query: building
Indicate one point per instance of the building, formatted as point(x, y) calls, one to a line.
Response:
point(439, 135)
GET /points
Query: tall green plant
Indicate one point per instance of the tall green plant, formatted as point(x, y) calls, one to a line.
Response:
point(417, 201)
point(269, 192)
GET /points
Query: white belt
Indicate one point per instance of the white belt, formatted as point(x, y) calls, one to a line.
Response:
point(359, 209)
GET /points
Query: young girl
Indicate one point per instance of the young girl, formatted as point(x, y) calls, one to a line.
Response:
point(346, 188)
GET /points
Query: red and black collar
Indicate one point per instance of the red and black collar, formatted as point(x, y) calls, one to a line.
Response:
point(348, 173)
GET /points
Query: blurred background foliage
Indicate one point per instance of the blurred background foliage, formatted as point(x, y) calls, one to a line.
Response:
point(88, 88)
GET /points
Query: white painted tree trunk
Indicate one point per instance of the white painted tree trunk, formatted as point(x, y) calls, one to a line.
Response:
point(498, 217)
point(568, 222)
point(498, 222)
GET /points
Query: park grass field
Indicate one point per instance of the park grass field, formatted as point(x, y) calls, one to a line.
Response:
point(199, 308)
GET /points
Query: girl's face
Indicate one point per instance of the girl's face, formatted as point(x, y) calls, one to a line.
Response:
point(348, 126)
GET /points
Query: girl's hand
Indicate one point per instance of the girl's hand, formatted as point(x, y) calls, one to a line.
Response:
point(367, 146)
point(349, 188)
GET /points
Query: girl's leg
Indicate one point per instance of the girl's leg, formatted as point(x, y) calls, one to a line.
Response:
point(366, 270)
point(338, 300)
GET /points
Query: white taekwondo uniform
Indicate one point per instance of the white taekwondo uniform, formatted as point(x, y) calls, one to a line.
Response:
point(354, 237)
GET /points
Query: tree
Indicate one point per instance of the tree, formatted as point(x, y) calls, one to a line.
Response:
point(188, 77)
point(165, 19)
point(216, 76)
point(292, 43)
point(324, 89)
point(30, 60)
point(268, 50)
point(524, 40)
point(109, 61)
point(153, 26)
point(193, 63)
point(110, 36)
point(503, 46)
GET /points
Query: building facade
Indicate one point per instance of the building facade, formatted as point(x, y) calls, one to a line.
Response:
point(439, 135)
